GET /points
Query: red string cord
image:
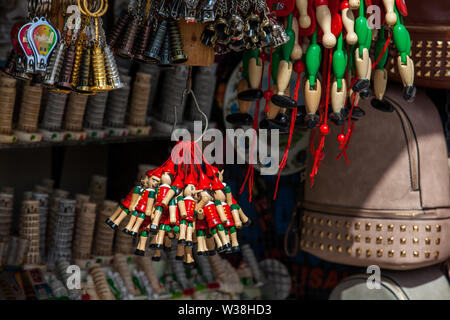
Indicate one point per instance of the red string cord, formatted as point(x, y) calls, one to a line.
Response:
point(291, 130)
point(386, 45)
point(318, 153)
point(269, 77)
point(250, 172)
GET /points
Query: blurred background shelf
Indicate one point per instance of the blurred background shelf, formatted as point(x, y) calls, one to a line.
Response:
point(156, 136)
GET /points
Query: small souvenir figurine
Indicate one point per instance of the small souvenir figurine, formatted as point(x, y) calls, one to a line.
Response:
point(145, 205)
point(248, 88)
point(186, 205)
point(207, 207)
point(166, 181)
point(239, 216)
point(126, 205)
point(201, 229)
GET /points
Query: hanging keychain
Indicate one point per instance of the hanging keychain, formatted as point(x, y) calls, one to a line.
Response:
point(98, 61)
point(42, 40)
point(26, 47)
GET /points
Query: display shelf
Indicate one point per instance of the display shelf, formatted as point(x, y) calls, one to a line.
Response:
point(108, 140)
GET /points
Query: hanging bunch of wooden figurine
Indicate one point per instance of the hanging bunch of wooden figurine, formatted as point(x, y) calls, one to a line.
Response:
point(332, 49)
point(33, 43)
point(180, 200)
point(243, 25)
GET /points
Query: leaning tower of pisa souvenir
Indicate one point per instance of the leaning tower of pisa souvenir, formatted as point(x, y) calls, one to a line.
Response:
point(101, 285)
point(27, 126)
point(123, 243)
point(95, 111)
point(84, 231)
point(121, 265)
point(97, 190)
point(6, 213)
point(7, 102)
point(42, 198)
point(137, 114)
point(29, 230)
point(51, 124)
point(73, 117)
point(103, 237)
point(146, 265)
point(62, 233)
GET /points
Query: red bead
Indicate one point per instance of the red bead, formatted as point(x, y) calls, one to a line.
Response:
point(324, 129)
point(299, 66)
point(268, 95)
point(263, 56)
point(341, 138)
point(321, 155)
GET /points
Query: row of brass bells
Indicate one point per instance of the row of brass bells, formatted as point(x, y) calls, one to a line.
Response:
point(83, 68)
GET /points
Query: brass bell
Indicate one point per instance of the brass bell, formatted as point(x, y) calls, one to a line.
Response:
point(65, 82)
point(176, 45)
point(118, 29)
point(142, 42)
point(128, 39)
point(85, 66)
point(112, 72)
point(98, 70)
point(55, 64)
point(157, 42)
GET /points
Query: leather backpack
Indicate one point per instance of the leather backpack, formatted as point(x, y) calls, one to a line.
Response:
point(391, 205)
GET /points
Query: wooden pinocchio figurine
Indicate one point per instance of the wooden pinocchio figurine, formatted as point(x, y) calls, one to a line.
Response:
point(339, 86)
point(248, 87)
point(144, 208)
point(405, 64)
point(208, 208)
point(284, 69)
point(232, 219)
point(127, 205)
point(380, 75)
point(362, 58)
point(313, 88)
point(186, 206)
point(167, 176)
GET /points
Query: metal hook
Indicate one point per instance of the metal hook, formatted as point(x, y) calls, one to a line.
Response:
point(187, 91)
